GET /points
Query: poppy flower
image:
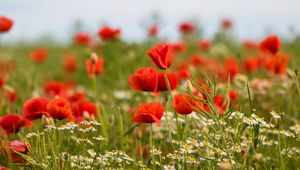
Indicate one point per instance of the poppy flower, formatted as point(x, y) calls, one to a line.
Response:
point(4, 168)
point(35, 108)
point(187, 27)
point(183, 104)
point(11, 95)
point(153, 31)
point(232, 95)
point(183, 72)
point(5, 24)
point(226, 23)
point(95, 65)
point(251, 64)
point(149, 113)
point(38, 55)
point(161, 55)
point(75, 97)
point(145, 79)
point(205, 44)
point(12, 123)
point(16, 149)
point(271, 44)
point(54, 88)
point(108, 33)
point(70, 64)
point(249, 44)
point(83, 38)
point(277, 64)
point(162, 84)
point(82, 106)
point(231, 68)
point(198, 60)
point(178, 47)
point(60, 108)
point(2, 82)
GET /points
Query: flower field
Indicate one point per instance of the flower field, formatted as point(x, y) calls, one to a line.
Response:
point(101, 102)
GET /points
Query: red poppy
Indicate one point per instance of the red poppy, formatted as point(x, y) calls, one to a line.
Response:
point(162, 85)
point(108, 33)
point(35, 108)
point(231, 68)
point(54, 88)
point(38, 55)
point(11, 95)
point(145, 79)
point(60, 108)
point(153, 31)
point(70, 64)
point(198, 60)
point(205, 44)
point(83, 38)
point(183, 104)
point(149, 113)
point(249, 44)
point(187, 27)
point(226, 23)
point(95, 65)
point(82, 106)
point(277, 64)
point(251, 64)
point(12, 123)
point(271, 44)
point(5, 24)
point(183, 72)
point(75, 97)
point(178, 47)
point(161, 55)
point(232, 95)
point(15, 148)
point(2, 82)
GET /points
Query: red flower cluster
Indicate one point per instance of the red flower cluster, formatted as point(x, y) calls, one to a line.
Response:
point(15, 150)
point(83, 38)
point(60, 108)
point(270, 45)
point(187, 27)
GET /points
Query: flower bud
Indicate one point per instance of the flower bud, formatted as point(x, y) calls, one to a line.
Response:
point(224, 166)
point(257, 157)
point(137, 132)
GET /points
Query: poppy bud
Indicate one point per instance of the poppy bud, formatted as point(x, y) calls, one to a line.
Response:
point(189, 85)
point(47, 120)
point(257, 157)
point(111, 119)
point(137, 132)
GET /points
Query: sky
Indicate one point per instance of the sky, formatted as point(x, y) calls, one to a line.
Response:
point(252, 18)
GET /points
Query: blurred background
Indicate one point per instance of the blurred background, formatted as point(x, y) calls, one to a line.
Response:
point(58, 19)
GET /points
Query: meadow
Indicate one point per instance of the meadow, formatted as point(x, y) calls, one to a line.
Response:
point(105, 103)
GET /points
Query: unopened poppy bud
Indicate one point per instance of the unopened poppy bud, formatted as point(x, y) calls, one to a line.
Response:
point(257, 157)
point(86, 115)
point(94, 58)
point(47, 120)
point(111, 119)
point(189, 85)
point(224, 166)
point(137, 132)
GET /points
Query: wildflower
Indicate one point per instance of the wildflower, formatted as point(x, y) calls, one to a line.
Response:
point(183, 104)
point(12, 123)
point(149, 113)
point(5, 24)
point(226, 23)
point(271, 44)
point(60, 108)
point(224, 166)
point(205, 44)
point(16, 149)
point(187, 27)
point(84, 109)
point(251, 64)
point(249, 44)
point(145, 79)
point(70, 64)
point(95, 65)
point(83, 38)
point(161, 55)
point(153, 31)
point(55, 88)
point(35, 108)
point(108, 33)
point(162, 85)
point(38, 55)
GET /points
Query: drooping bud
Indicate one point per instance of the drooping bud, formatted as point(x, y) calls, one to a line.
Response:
point(137, 132)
